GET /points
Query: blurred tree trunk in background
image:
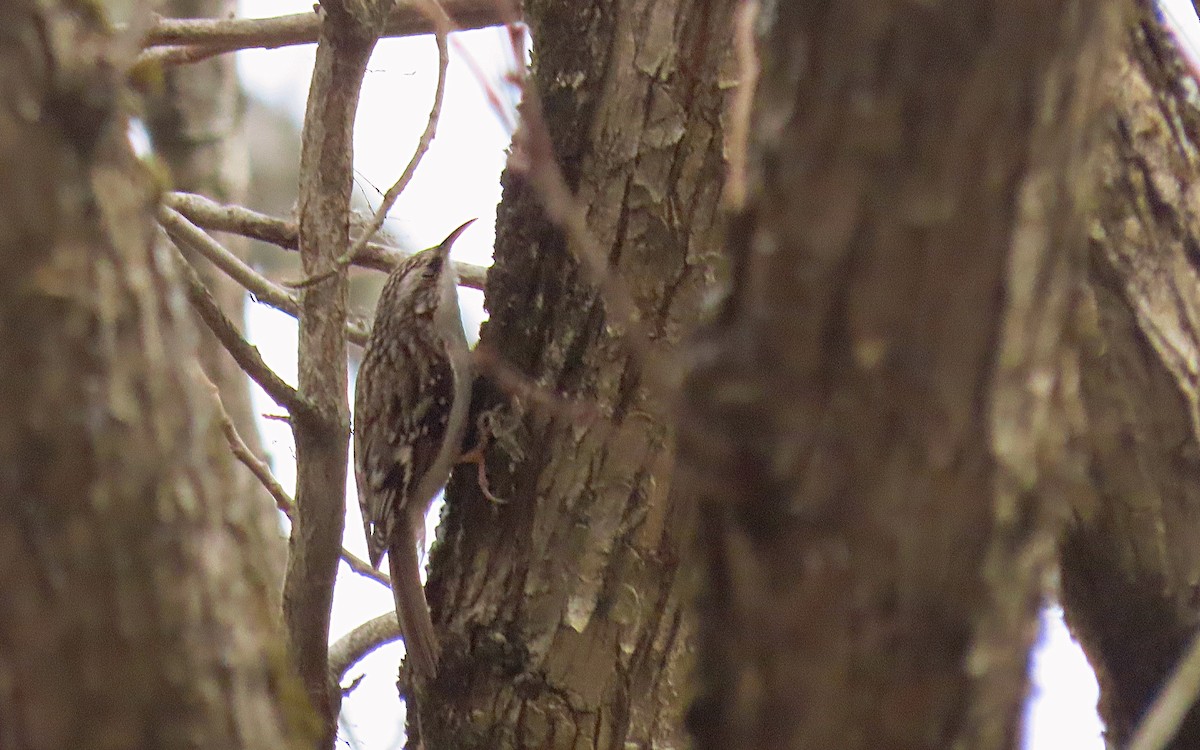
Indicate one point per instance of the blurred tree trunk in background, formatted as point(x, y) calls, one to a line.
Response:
point(196, 123)
point(138, 609)
point(879, 422)
point(562, 613)
point(1131, 558)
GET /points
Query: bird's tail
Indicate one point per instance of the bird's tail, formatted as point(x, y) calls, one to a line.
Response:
point(416, 625)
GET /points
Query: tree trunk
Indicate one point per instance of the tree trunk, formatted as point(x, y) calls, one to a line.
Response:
point(196, 125)
point(1131, 557)
point(137, 603)
point(562, 612)
point(877, 421)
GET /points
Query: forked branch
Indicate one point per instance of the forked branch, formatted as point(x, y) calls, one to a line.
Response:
point(186, 234)
point(394, 192)
point(208, 214)
point(262, 472)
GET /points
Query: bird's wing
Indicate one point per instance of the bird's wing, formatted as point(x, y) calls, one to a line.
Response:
point(397, 446)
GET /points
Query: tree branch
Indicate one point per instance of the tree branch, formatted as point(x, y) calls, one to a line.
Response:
point(244, 353)
point(355, 645)
point(207, 213)
point(393, 193)
point(185, 40)
point(348, 35)
point(262, 472)
point(184, 233)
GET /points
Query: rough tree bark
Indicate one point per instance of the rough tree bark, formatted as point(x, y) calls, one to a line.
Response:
point(1131, 558)
point(137, 604)
point(876, 422)
point(562, 613)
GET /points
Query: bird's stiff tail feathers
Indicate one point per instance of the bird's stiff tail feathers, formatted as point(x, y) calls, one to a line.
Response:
point(420, 642)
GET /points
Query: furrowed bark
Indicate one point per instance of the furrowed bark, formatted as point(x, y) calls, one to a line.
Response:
point(1131, 557)
point(563, 613)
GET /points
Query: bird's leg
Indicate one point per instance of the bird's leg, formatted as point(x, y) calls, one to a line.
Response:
point(475, 456)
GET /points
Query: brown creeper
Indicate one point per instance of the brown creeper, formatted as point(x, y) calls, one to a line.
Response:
point(410, 415)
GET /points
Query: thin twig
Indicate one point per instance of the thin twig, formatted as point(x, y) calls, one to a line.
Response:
point(389, 198)
point(261, 471)
point(242, 452)
point(1161, 723)
point(363, 568)
point(186, 234)
point(207, 213)
point(242, 351)
point(355, 645)
point(186, 40)
point(738, 133)
point(442, 28)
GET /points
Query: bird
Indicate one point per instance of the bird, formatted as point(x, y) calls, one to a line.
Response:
point(411, 406)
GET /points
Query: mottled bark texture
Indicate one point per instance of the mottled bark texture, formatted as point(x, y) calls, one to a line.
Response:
point(195, 121)
point(563, 613)
point(876, 422)
point(137, 609)
point(1131, 558)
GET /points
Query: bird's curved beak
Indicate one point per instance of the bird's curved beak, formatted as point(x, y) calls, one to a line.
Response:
point(446, 243)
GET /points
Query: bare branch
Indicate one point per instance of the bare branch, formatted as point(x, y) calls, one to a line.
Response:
point(205, 212)
point(188, 40)
point(364, 569)
point(184, 233)
point(179, 55)
point(244, 353)
point(346, 39)
point(214, 216)
point(262, 472)
point(242, 452)
point(1161, 723)
point(351, 648)
point(393, 193)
